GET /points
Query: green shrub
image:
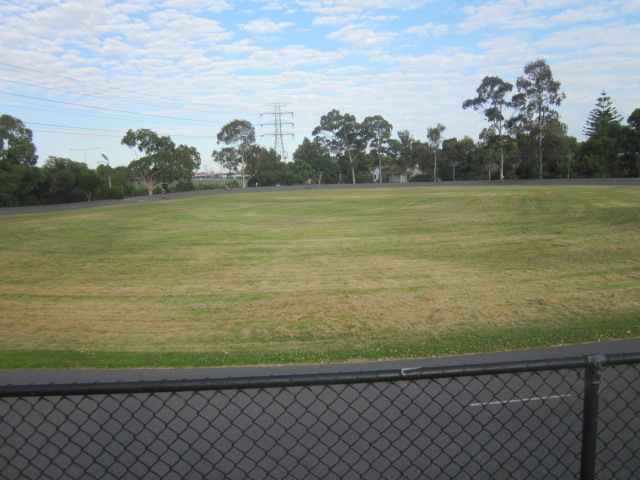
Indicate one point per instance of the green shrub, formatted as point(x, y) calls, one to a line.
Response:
point(184, 187)
point(423, 177)
point(115, 192)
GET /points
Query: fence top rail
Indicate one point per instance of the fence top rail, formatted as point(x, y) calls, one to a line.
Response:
point(304, 380)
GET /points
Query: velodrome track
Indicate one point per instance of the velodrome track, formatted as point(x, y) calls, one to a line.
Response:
point(25, 377)
point(248, 190)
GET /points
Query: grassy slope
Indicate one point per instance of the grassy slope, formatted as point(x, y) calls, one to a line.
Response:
point(319, 275)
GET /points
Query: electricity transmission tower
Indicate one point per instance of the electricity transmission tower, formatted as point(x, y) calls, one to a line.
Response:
point(277, 124)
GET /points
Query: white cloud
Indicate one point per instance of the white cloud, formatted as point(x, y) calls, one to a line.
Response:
point(337, 6)
point(265, 26)
point(274, 5)
point(241, 47)
point(341, 12)
point(336, 19)
point(179, 27)
point(438, 63)
point(584, 37)
point(346, 18)
point(428, 30)
point(216, 6)
point(589, 13)
point(132, 7)
point(289, 58)
point(535, 14)
point(360, 36)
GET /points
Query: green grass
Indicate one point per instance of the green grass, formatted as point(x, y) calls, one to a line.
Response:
point(319, 276)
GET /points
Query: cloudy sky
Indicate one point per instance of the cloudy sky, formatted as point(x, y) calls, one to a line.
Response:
point(81, 73)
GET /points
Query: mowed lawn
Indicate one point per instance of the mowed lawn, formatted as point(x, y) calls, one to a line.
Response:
point(319, 276)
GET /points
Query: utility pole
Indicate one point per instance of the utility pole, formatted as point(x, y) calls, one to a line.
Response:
point(277, 124)
point(454, 165)
point(108, 168)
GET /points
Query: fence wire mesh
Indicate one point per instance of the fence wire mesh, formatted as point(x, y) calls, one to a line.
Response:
point(524, 424)
point(618, 453)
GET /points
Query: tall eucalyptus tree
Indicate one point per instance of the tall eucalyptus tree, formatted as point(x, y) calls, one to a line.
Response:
point(239, 136)
point(493, 102)
point(539, 93)
point(434, 136)
point(344, 137)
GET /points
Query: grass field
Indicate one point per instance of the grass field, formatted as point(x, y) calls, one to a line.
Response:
point(319, 276)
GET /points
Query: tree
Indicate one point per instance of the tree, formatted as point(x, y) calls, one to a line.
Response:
point(121, 180)
point(317, 157)
point(16, 145)
point(458, 154)
point(185, 161)
point(407, 153)
point(148, 169)
point(434, 136)
point(599, 154)
point(113, 182)
point(492, 102)
point(19, 177)
point(601, 116)
point(239, 135)
point(162, 161)
point(634, 120)
point(20, 185)
point(540, 92)
point(67, 181)
point(88, 181)
point(631, 145)
point(272, 171)
point(558, 148)
point(379, 134)
point(344, 137)
point(485, 160)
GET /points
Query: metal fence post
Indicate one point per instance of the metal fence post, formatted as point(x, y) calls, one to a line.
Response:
point(593, 374)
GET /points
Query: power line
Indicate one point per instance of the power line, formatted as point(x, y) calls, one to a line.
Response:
point(102, 132)
point(98, 96)
point(128, 92)
point(204, 122)
point(70, 111)
point(75, 128)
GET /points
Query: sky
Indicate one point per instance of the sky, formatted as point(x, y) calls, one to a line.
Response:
point(80, 74)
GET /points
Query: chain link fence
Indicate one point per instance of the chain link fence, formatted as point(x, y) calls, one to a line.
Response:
point(554, 419)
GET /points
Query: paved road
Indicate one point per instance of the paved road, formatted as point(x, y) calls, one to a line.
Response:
point(175, 196)
point(524, 425)
point(25, 377)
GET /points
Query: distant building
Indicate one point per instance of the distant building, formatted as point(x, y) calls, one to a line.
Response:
point(396, 175)
point(216, 178)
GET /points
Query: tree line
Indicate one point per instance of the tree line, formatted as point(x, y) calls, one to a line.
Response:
point(524, 138)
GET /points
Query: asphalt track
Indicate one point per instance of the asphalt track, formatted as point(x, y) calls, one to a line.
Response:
point(26, 377)
point(249, 190)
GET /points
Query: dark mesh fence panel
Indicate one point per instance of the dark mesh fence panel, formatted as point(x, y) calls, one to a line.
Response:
point(618, 454)
point(511, 424)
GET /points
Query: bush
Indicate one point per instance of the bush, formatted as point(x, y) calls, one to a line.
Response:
point(423, 177)
point(184, 187)
point(115, 192)
point(207, 186)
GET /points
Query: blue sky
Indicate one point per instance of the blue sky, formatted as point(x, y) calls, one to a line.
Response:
point(80, 74)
